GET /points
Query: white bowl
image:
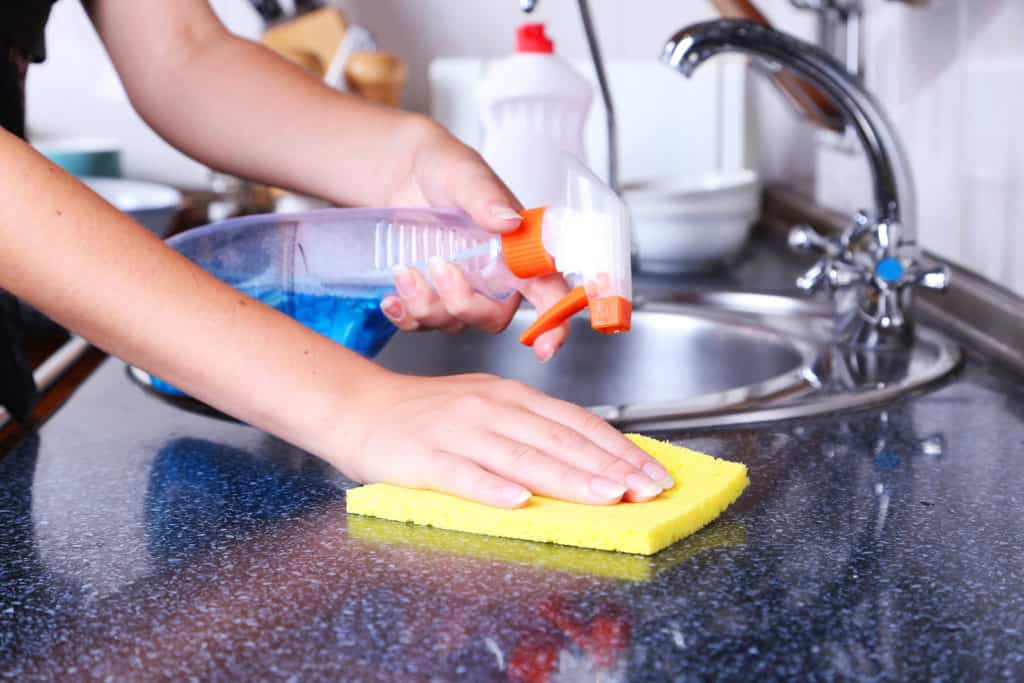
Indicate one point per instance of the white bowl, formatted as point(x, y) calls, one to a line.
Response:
point(155, 206)
point(692, 223)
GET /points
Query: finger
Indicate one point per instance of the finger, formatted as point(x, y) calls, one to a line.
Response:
point(546, 346)
point(394, 311)
point(463, 303)
point(475, 189)
point(544, 292)
point(596, 430)
point(419, 299)
point(542, 473)
point(575, 450)
point(459, 476)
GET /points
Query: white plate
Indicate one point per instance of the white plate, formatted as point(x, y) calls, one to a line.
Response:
point(153, 205)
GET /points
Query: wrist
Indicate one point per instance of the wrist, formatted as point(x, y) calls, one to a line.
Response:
point(335, 424)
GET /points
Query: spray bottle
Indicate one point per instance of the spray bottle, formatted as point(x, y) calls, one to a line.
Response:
point(329, 269)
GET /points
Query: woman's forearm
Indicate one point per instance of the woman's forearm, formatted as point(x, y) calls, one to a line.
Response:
point(239, 107)
point(94, 270)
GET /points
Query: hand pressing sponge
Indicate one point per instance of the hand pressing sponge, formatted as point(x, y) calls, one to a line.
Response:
point(705, 486)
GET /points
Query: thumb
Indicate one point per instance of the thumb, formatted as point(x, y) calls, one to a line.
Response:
point(478, 191)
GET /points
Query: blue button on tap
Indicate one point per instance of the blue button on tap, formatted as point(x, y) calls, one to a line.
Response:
point(889, 269)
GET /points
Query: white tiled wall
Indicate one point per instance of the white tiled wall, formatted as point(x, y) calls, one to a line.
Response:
point(951, 75)
point(421, 29)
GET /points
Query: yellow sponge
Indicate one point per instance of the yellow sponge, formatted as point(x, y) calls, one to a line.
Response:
point(705, 486)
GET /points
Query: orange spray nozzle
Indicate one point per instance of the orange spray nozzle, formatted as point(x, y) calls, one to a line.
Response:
point(608, 315)
point(585, 235)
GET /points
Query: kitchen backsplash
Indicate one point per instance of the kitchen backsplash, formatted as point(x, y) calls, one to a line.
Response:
point(950, 73)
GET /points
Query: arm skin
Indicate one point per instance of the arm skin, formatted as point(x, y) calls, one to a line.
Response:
point(235, 105)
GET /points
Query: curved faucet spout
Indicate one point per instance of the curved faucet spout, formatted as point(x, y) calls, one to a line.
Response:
point(893, 186)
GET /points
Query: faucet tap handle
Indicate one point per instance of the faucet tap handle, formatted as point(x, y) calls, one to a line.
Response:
point(805, 239)
point(838, 266)
point(858, 227)
point(844, 274)
point(813, 277)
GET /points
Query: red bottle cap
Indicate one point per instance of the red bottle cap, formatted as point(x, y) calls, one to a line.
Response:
point(531, 38)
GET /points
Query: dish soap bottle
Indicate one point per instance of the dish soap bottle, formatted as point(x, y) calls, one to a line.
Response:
point(534, 106)
point(329, 269)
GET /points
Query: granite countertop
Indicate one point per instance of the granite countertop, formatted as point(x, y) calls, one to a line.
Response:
point(140, 541)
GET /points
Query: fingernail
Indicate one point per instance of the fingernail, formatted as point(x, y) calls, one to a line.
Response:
point(606, 489)
point(643, 486)
point(392, 308)
point(440, 274)
point(405, 281)
point(506, 213)
point(545, 351)
point(516, 495)
point(658, 473)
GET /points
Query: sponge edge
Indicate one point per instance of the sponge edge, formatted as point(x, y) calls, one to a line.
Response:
point(705, 486)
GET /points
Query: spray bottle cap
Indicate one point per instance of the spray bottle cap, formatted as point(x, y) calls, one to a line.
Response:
point(586, 237)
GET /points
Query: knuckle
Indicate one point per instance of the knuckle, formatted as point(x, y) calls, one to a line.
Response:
point(458, 305)
point(436, 468)
point(520, 454)
point(409, 324)
point(478, 481)
point(415, 308)
point(438, 319)
point(563, 440)
point(471, 404)
point(501, 324)
point(568, 479)
point(613, 468)
point(495, 324)
point(591, 423)
point(514, 387)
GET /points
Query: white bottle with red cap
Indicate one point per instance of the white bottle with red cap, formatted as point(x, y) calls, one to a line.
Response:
point(533, 105)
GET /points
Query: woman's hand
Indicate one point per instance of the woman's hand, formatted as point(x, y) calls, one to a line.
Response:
point(440, 171)
point(491, 440)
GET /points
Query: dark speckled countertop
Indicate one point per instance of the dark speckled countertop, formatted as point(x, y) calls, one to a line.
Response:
point(139, 542)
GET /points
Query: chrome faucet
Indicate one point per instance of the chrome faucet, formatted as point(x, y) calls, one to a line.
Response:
point(876, 259)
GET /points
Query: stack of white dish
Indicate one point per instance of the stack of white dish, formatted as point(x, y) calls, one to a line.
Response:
point(692, 223)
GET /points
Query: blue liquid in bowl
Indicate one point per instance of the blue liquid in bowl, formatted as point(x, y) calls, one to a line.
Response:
point(355, 322)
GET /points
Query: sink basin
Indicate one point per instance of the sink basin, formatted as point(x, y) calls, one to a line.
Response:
point(696, 359)
point(676, 357)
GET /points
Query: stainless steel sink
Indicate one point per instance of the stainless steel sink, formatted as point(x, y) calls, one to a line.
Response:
point(675, 356)
point(695, 360)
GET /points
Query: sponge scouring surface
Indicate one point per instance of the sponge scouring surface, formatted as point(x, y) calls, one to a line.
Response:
point(704, 487)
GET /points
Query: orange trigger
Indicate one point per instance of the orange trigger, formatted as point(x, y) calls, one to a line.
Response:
point(569, 305)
